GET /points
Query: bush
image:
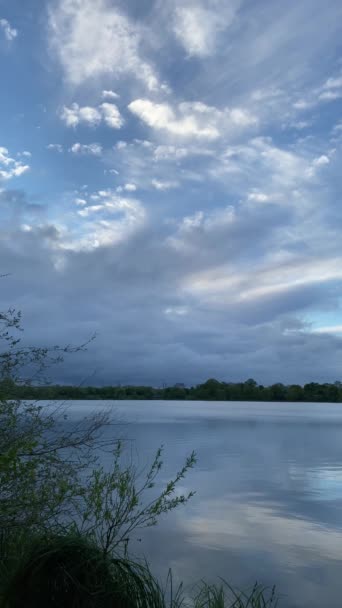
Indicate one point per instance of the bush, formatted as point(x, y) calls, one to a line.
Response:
point(71, 571)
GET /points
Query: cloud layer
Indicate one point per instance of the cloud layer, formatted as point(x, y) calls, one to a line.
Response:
point(181, 196)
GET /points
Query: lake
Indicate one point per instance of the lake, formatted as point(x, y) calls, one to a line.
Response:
point(268, 504)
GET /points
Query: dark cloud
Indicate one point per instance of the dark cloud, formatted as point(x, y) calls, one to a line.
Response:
point(151, 328)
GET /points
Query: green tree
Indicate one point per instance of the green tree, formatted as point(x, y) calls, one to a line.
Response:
point(294, 393)
point(278, 392)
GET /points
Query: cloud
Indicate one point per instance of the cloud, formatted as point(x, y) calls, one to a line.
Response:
point(163, 152)
point(333, 83)
point(164, 185)
point(111, 115)
point(9, 32)
point(93, 149)
point(127, 188)
point(259, 197)
point(17, 212)
point(97, 220)
point(281, 173)
point(176, 312)
point(107, 219)
point(329, 91)
point(120, 145)
point(9, 167)
point(76, 115)
point(220, 291)
point(55, 147)
point(142, 161)
point(109, 95)
point(317, 163)
point(92, 39)
point(329, 329)
point(263, 289)
point(191, 119)
point(210, 227)
point(321, 161)
point(90, 116)
point(198, 25)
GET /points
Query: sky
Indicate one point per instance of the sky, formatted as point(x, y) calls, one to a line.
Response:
point(170, 180)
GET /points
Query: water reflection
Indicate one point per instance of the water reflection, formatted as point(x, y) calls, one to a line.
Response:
point(269, 493)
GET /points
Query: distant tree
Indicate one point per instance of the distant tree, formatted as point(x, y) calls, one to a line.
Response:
point(295, 393)
point(250, 390)
point(278, 392)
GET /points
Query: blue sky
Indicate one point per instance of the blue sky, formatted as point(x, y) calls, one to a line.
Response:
point(170, 178)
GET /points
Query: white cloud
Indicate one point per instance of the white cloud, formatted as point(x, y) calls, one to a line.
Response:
point(302, 104)
point(164, 185)
point(330, 95)
point(337, 128)
point(26, 228)
point(300, 125)
point(120, 145)
point(9, 167)
point(106, 112)
point(164, 152)
point(75, 115)
point(260, 168)
point(176, 310)
point(285, 166)
point(191, 119)
point(258, 197)
point(170, 152)
point(321, 161)
point(197, 25)
point(55, 147)
point(4, 158)
point(89, 210)
point(317, 163)
point(330, 90)
point(19, 169)
point(91, 38)
point(196, 30)
point(333, 83)
point(109, 94)
point(126, 188)
point(111, 115)
point(329, 329)
point(9, 32)
point(106, 219)
point(277, 272)
point(93, 149)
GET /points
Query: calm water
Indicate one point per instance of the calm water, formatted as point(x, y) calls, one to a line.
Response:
point(268, 505)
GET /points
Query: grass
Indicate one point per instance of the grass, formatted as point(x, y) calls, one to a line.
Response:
point(70, 571)
point(224, 596)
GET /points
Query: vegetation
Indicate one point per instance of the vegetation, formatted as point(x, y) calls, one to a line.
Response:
point(212, 390)
point(72, 571)
point(65, 520)
point(50, 472)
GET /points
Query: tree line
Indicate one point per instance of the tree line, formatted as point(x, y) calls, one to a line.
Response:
point(211, 390)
